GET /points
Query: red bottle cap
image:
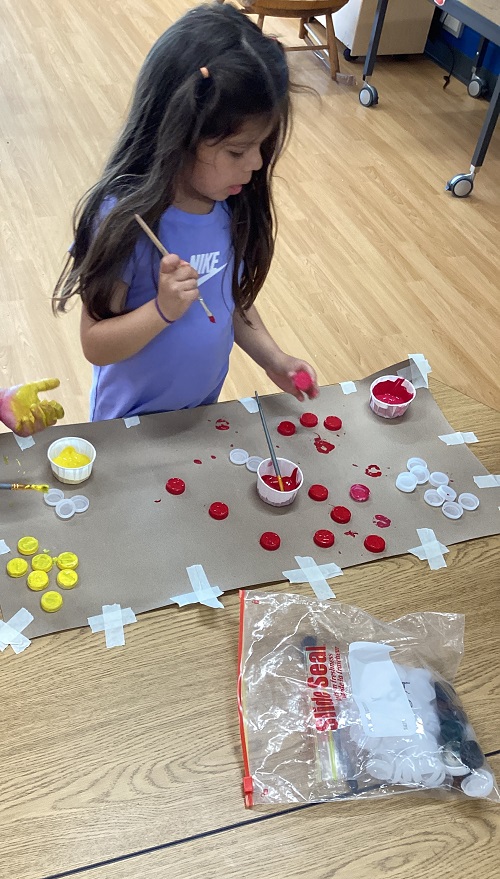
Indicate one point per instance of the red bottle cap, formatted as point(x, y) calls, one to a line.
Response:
point(332, 422)
point(218, 510)
point(175, 486)
point(270, 540)
point(286, 428)
point(302, 380)
point(308, 419)
point(318, 493)
point(323, 537)
point(359, 492)
point(341, 515)
point(374, 543)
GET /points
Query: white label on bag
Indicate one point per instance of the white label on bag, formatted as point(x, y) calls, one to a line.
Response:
point(378, 692)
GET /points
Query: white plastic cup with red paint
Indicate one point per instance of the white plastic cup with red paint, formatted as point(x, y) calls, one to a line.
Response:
point(274, 496)
point(391, 410)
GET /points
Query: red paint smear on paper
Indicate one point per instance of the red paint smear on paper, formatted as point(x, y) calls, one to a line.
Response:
point(381, 521)
point(158, 502)
point(213, 457)
point(351, 533)
point(222, 424)
point(355, 465)
point(373, 470)
point(196, 461)
point(322, 445)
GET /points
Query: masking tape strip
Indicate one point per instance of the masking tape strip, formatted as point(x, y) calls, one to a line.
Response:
point(24, 442)
point(250, 404)
point(111, 622)
point(488, 481)
point(3, 547)
point(132, 421)
point(430, 549)
point(348, 387)
point(315, 575)
point(417, 371)
point(202, 592)
point(457, 439)
point(10, 632)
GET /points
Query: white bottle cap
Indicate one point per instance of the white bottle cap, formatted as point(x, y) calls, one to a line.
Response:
point(479, 783)
point(53, 496)
point(238, 456)
point(453, 763)
point(65, 509)
point(452, 510)
point(468, 501)
point(253, 463)
point(438, 478)
point(421, 473)
point(406, 482)
point(415, 462)
point(81, 503)
point(447, 493)
point(432, 498)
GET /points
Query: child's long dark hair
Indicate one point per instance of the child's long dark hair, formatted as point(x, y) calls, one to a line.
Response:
point(174, 108)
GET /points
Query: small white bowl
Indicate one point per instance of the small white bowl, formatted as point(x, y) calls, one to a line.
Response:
point(273, 496)
point(71, 475)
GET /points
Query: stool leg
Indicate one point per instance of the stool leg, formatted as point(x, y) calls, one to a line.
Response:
point(333, 55)
point(302, 30)
point(260, 21)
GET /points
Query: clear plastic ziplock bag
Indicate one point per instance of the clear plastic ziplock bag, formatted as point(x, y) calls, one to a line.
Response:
point(336, 704)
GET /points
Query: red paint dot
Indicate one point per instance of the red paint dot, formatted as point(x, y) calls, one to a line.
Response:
point(373, 470)
point(286, 428)
point(374, 543)
point(308, 419)
point(222, 424)
point(218, 510)
point(196, 461)
point(158, 502)
point(318, 493)
point(213, 457)
point(211, 319)
point(341, 515)
point(332, 422)
point(323, 537)
point(302, 380)
point(359, 492)
point(175, 486)
point(351, 533)
point(269, 540)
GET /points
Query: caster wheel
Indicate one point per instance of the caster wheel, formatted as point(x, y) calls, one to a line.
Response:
point(477, 87)
point(368, 95)
point(461, 185)
point(349, 57)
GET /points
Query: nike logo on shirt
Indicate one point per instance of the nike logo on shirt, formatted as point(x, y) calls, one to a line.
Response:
point(206, 265)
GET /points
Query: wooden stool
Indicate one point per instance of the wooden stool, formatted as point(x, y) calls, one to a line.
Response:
point(304, 10)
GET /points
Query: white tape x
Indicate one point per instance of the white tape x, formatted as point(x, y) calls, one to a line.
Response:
point(457, 439)
point(111, 622)
point(3, 547)
point(132, 421)
point(202, 592)
point(348, 387)
point(417, 371)
point(430, 549)
point(250, 404)
point(10, 632)
point(24, 442)
point(315, 575)
point(487, 481)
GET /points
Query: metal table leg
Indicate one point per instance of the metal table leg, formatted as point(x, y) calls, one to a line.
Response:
point(368, 94)
point(462, 184)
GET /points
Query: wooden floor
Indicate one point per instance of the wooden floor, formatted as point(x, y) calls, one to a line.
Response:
point(374, 259)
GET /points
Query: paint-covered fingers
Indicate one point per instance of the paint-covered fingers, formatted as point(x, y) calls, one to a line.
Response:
point(52, 412)
point(283, 372)
point(310, 391)
point(46, 384)
point(177, 286)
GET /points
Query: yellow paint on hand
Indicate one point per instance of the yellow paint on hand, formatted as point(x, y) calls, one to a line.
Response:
point(51, 601)
point(67, 561)
point(17, 568)
point(71, 459)
point(42, 562)
point(67, 579)
point(37, 581)
point(27, 545)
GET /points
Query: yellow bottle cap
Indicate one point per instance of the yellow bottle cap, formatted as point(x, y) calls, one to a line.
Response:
point(51, 601)
point(17, 567)
point(38, 580)
point(67, 561)
point(67, 579)
point(42, 562)
point(27, 545)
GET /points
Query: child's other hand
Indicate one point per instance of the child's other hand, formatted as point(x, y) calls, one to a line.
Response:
point(177, 286)
point(283, 370)
point(22, 410)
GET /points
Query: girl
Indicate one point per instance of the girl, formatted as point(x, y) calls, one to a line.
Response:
point(195, 159)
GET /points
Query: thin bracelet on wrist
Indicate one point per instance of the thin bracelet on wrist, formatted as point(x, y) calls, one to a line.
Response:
point(160, 312)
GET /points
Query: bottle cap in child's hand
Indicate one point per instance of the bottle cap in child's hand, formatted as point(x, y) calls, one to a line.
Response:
point(302, 380)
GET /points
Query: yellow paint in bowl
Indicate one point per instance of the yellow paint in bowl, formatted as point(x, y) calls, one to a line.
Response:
point(71, 459)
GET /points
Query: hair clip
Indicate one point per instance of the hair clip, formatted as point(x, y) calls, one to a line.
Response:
point(205, 72)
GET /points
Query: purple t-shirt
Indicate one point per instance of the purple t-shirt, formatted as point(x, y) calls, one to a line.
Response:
point(186, 364)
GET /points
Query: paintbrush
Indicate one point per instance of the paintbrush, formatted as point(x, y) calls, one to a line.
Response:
point(269, 443)
point(16, 486)
point(164, 252)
